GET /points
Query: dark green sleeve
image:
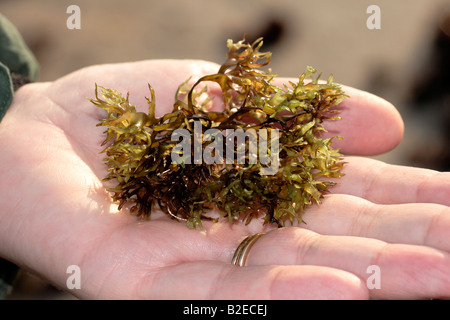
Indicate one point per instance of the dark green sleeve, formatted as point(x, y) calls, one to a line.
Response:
point(6, 89)
point(17, 63)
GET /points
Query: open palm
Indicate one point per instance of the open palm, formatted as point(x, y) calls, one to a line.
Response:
point(55, 211)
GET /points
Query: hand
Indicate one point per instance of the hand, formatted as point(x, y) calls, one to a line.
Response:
point(56, 212)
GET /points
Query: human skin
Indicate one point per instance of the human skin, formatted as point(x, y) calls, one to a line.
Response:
point(56, 212)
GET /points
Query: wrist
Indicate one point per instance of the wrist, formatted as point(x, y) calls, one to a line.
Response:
point(18, 66)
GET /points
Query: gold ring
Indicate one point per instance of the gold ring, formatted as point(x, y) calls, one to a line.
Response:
point(242, 251)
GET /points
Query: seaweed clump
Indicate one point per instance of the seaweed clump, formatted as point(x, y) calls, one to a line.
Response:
point(276, 161)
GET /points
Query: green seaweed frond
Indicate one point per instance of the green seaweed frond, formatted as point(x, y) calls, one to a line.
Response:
point(139, 147)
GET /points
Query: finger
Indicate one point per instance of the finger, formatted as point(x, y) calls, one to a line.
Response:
point(419, 224)
point(369, 125)
point(216, 280)
point(383, 183)
point(405, 271)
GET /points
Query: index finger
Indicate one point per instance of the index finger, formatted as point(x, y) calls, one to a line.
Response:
point(369, 124)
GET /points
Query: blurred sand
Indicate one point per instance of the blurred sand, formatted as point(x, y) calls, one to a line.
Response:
point(330, 35)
